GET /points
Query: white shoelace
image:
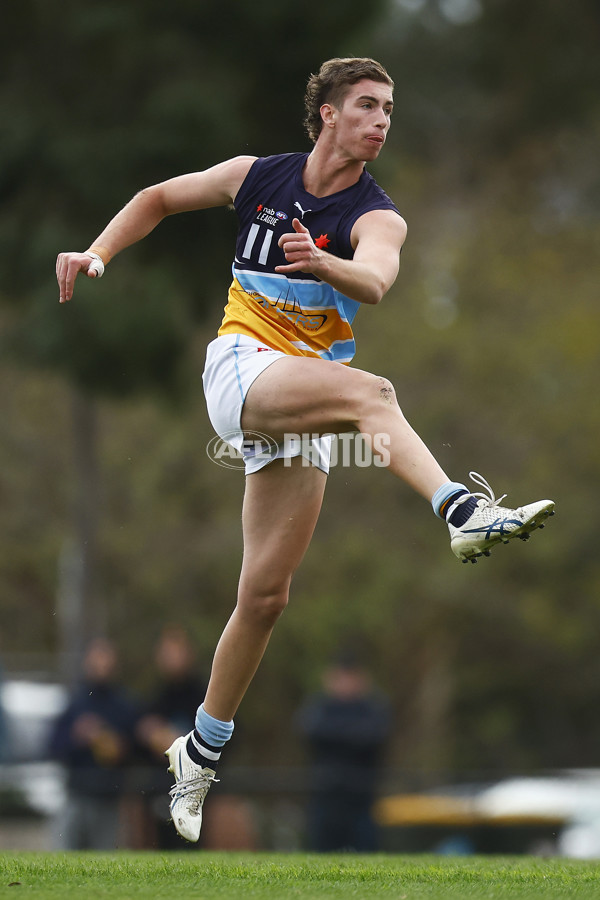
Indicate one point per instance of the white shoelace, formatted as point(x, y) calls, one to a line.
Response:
point(196, 787)
point(489, 497)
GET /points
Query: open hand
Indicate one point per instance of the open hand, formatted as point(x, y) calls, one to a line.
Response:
point(68, 266)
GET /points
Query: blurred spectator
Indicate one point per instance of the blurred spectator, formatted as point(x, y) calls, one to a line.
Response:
point(346, 728)
point(94, 739)
point(178, 693)
point(4, 740)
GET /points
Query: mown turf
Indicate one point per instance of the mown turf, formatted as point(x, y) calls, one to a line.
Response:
point(220, 875)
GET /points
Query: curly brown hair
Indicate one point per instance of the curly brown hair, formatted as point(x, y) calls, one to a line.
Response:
point(331, 84)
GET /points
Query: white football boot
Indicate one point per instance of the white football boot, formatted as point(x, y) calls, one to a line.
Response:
point(490, 523)
point(192, 784)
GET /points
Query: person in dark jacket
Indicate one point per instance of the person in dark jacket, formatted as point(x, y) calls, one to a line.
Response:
point(94, 739)
point(346, 727)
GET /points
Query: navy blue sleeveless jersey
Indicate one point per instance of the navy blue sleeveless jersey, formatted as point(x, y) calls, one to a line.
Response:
point(298, 314)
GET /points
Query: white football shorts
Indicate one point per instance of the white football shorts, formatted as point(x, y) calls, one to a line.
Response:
point(233, 361)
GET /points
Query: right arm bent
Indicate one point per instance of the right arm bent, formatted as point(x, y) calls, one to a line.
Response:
point(216, 186)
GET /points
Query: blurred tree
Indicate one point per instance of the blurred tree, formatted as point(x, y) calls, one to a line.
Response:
point(478, 78)
point(99, 101)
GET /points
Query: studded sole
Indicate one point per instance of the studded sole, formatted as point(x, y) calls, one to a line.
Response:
point(524, 533)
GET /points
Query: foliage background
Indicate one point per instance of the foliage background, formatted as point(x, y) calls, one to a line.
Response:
point(490, 336)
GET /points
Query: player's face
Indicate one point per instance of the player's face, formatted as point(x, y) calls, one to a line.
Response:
point(362, 123)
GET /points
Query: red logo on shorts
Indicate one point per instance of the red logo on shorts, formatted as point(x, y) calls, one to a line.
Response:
point(258, 349)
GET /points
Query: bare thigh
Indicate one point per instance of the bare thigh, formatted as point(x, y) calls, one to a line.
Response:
point(282, 503)
point(303, 394)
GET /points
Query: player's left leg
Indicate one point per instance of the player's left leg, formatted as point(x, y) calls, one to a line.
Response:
point(281, 507)
point(282, 502)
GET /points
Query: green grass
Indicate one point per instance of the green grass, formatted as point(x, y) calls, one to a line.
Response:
point(280, 876)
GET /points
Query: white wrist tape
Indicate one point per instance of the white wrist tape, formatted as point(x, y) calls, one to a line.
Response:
point(96, 265)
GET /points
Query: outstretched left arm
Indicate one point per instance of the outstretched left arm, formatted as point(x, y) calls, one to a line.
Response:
point(377, 238)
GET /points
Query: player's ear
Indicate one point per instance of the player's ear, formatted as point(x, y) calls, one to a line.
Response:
point(328, 115)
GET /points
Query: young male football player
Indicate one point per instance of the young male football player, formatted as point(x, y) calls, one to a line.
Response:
point(317, 239)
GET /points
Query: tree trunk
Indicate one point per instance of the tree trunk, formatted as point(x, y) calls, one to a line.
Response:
point(81, 614)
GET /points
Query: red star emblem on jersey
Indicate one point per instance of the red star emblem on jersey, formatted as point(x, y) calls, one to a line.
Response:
point(259, 207)
point(322, 241)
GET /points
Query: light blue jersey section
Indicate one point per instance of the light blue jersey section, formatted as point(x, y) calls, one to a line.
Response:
point(309, 294)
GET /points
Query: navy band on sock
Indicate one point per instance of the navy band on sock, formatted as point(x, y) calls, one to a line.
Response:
point(444, 493)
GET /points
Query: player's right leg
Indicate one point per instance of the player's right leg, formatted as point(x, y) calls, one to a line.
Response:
point(299, 394)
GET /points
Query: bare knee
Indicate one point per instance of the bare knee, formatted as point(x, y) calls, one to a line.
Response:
point(262, 607)
point(376, 396)
point(385, 391)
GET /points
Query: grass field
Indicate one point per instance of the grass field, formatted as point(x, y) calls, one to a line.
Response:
point(281, 876)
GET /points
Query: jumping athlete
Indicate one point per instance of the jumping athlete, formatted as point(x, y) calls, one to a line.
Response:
point(317, 239)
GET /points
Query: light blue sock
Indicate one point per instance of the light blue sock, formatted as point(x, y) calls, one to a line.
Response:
point(215, 732)
point(444, 493)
